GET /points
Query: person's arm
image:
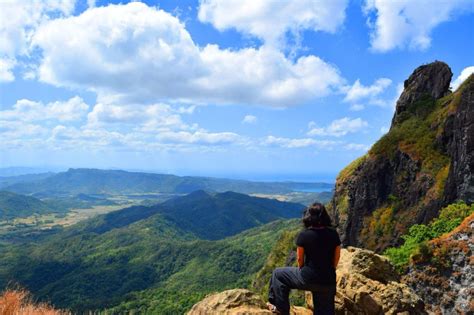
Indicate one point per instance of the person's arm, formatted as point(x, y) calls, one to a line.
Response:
point(300, 256)
point(337, 255)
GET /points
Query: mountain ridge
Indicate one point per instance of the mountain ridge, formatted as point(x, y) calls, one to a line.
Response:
point(97, 181)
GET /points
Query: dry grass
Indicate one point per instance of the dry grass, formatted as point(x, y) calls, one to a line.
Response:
point(19, 302)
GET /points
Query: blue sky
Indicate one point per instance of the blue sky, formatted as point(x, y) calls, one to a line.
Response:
point(246, 89)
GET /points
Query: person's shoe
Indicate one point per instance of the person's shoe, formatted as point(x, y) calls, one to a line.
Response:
point(273, 308)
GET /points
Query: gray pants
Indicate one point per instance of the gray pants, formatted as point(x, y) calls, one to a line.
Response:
point(287, 278)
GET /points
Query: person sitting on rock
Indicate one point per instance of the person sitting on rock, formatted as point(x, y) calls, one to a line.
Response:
point(318, 252)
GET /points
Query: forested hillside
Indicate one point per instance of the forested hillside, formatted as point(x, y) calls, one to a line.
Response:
point(148, 258)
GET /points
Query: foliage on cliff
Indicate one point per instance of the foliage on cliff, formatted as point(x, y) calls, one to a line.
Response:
point(415, 241)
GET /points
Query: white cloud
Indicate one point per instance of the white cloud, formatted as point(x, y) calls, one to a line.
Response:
point(356, 107)
point(147, 118)
point(338, 127)
point(18, 21)
point(384, 129)
point(6, 69)
point(17, 129)
point(199, 137)
point(465, 73)
point(138, 54)
point(292, 143)
point(271, 20)
point(408, 23)
point(358, 91)
point(27, 110)
point(249, 119)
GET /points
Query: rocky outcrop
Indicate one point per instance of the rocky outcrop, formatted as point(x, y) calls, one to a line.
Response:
point(366, 284)
point(423, 163)
point(237, 302)
point(432, 79)
point(443, 275)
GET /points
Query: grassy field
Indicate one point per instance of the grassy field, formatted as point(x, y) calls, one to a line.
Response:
point(35, 226)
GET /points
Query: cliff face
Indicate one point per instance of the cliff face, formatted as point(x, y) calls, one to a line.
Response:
point(443, 275)
point(424, 162)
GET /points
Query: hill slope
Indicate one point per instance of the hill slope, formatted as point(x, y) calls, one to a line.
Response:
point(94, 181)
point(206, 215)
point(148, 265)
point(14, 205)
point(424, 162)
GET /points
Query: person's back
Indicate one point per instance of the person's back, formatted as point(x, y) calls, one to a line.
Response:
point(319, 244)
point(318, 251)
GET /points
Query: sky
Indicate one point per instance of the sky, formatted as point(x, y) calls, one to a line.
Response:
point(285, 90)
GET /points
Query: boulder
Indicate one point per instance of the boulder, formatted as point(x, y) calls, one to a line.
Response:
point(237, 302)
point(368, 284)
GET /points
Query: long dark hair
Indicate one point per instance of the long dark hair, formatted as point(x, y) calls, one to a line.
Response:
point(316, 215)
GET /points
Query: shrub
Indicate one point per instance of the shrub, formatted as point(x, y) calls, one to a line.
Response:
point(415, 246)
point(18, 301)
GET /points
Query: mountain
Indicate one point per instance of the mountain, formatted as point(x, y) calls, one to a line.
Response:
point(11, 180)
point(14, 205)
point(423, 163)
point(214, 216)
point(151, 265)
point(94, 181)
point(205, 215)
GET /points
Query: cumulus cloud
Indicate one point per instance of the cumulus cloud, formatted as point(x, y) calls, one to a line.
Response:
point(18, 22)
point(338, 127)
point(144, 117)
point(271, 20)
point(407, 23)
point(27, 110)
point(138, 54)
point(465, 73)
point(357, 91)
point(249, 119)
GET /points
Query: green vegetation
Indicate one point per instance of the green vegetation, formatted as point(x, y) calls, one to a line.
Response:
point(415, 241)
point(14, 205)
point(150, 258)
point(349, 169)
point(415, 136)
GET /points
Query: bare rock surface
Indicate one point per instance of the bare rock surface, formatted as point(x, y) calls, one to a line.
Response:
point(366, 284)
point(432, 79)
point(237, 302)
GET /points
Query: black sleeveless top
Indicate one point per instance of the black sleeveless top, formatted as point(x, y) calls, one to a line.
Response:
point(319, 245)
